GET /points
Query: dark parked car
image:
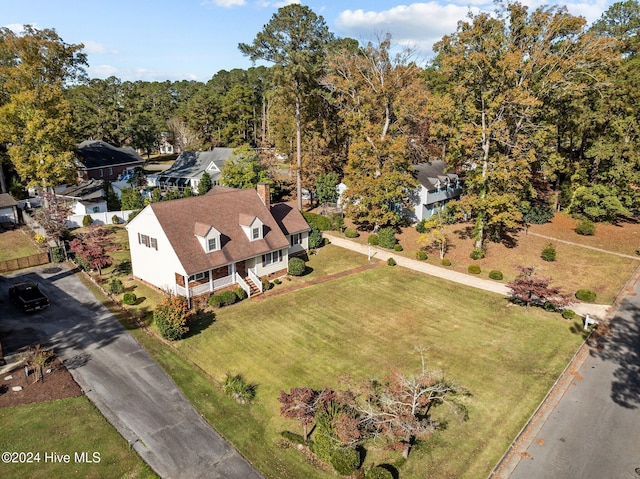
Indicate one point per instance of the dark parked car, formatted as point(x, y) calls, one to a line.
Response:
point(28, 297)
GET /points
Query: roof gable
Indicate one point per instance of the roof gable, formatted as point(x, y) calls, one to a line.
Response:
point(100, 154)
point(433, 174)
point(192, 164)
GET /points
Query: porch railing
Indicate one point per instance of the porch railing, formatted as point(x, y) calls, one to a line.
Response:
point(254, 277)
point(243, 284)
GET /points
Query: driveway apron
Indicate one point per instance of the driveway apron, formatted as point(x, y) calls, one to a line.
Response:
point(127, 385)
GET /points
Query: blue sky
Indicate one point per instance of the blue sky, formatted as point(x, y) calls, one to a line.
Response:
point(194, 39)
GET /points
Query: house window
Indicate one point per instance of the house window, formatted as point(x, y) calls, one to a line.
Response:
point(255, 233)
point(213, 244)
point(295, 239)
point(270, 258)
point(110, 171)
point(148, 241)
point(196, 277)
point(154, 243)
point(101, 173)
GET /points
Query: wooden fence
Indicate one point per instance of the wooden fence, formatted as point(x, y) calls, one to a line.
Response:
point(24, 262)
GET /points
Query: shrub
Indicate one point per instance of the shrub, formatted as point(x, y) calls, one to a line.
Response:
point(57, 254)
point(277, 281)
point(495, 274)
point(420, 227)
point(266, 284)
point(373, 240)
point(568, 314)
point(550, 306)
point(378, 472)
point(228, 297)
point(116, 286)
point(421, 255)
point(387, 237)
point(240, 294)
point(351, 233)
point(215, 301)
point(398, 247)
point(549, 253)
point(237, 388)
point(87, 220)
point(323, 445)
point(171, 317)
point(586, 227)
point(477, 253)
point(296, 267)
point(129, 298)
point(474, 269)
point(315, 239)
point(345, 460)
point(317, 221)
point(446, 262)
point(115, 220)
point(40, 239)
point(391, 262)
point(586, 295)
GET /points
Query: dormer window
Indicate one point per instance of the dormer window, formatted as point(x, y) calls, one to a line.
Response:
point(252, 226)
point(255, 233)
point(208, 237)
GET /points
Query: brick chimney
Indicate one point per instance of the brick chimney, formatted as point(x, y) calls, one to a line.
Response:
point(263, 193)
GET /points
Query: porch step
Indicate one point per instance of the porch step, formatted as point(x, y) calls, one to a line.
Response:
point(252, 286)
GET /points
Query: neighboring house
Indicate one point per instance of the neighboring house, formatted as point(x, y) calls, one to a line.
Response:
point(188, 168)
point(164, 147)
point(8, 209)
point(227, 237)
point(85, 198)
point(101, 161)
point(437, 188)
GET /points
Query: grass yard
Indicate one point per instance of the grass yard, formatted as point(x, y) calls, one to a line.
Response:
point(16, 244)
point(66, 426)
point(366, 324)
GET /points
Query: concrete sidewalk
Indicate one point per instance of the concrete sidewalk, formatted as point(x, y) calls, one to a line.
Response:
point(598, 311)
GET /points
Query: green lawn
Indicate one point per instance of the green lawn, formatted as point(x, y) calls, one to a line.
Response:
point(66, 427)
point(367, 324)
point(16, 244)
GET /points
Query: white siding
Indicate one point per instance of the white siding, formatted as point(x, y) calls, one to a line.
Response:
point(155, 267)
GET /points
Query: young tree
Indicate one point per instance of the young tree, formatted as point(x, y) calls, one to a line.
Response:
point(531, 289)
point(53, 217)
point(303, 404)
point(205, 183)
point(131, 199)
point(434, 235)
point(295, 40)
point(172, 317)
point(93, 247)
point(326, 187)
point(243, 169)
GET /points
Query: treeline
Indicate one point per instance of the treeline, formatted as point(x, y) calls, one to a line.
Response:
point(534, 108)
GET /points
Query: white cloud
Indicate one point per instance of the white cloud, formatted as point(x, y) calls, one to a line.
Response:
point(418, 25)
point(134, 74)
point(96, 48)
point(224, 3)
point(18, 28)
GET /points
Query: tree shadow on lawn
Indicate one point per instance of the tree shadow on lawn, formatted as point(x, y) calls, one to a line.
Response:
point(123, 268)
point(199, 323)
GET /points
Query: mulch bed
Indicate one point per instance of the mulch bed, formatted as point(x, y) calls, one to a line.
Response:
point(56, 384)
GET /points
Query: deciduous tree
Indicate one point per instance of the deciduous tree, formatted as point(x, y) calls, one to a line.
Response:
point(93, 247)
point(531, 289)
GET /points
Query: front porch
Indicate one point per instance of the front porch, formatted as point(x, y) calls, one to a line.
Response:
point(219, 278)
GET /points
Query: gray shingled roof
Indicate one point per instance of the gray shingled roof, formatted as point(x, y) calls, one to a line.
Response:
point(191, 164)
point(100, 154)
point(85, 190)
point(7, 201)
point(429, 173)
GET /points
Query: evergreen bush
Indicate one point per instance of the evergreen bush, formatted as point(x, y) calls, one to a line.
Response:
point(568, 314)
point(586, 227)
point(115, 220)
point(87, 220)
point(477, 254)
point(474, 269)
point(266, 284)
point(495, 274)
point(421, 255)
point(378, 472)
point(315, 239)
point(171, 317)
point(296, 267)
point(116, 286)
point(228, 297)
point(240, 294)
point(387, 237)
point(129, 298)
point(215, 301)
point(391, 262)
point(586, 295)
point(420, 226)
point(351, 233)
point(345, 460)
point(398, 247)
point(549, 253)
point(446, 262)
point(373, 240)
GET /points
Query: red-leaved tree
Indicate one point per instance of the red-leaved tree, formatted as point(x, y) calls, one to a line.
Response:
point(531, 289)
point(303, 404)
point(93, 247)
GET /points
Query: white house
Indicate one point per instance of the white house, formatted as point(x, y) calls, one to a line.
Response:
point(437, 188)
point(227, 237)
point(189, 167)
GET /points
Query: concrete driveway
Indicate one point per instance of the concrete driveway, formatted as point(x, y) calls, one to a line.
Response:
point(591, 428)
point(121, 379)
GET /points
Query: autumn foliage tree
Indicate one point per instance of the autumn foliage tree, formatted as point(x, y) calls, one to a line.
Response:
point(302, 404)
point(93, 247)
point(531, 289)
point(172, 317)
point(53, 216)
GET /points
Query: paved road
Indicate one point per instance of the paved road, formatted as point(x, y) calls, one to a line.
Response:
point(128, 387)
point(591, 428)
point(598, 311)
